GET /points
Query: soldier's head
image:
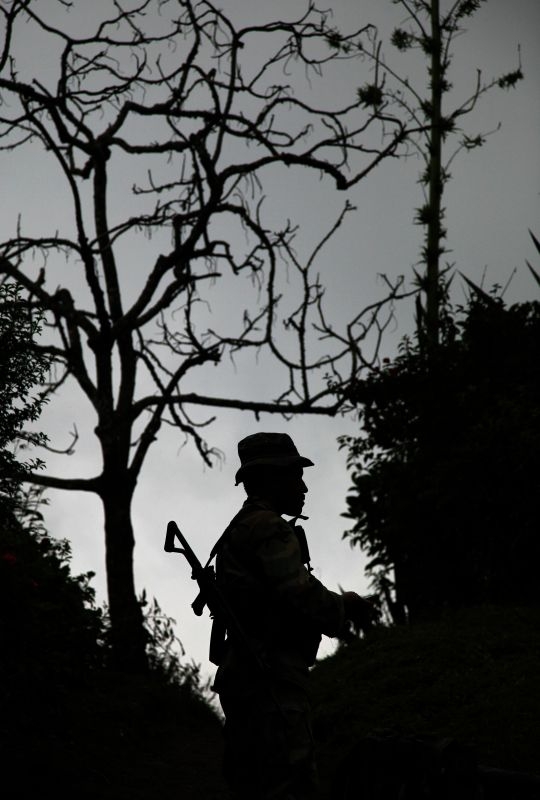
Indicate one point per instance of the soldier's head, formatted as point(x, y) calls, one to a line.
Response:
point(272, 468)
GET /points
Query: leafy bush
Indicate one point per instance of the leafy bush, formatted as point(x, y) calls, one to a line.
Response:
point(48, 619)
point(22, 367)
point(166, 654)
point(445, 472)
point(49, 623)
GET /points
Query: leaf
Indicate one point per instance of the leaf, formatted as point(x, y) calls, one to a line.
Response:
point(535, 240)
point(478, 290)
point(509, 80)
point(535, 274)
point(370, 95)
point(402, 39)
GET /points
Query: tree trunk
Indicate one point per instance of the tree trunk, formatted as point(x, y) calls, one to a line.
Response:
point(433, 235)
point(128, 636)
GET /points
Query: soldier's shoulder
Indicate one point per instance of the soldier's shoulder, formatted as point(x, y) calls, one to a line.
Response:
point(262, 514)
point(260, 522)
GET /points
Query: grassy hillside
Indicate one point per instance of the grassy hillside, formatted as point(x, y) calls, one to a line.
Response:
point(108, 736)
point(69, 726)
point(473, 677)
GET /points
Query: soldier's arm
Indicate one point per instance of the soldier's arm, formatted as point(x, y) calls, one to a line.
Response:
point(277, 553)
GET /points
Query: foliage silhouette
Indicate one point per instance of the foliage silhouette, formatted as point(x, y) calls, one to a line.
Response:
point(85, 728)
point(444, 480)
point(22, 369)
point(46, 615)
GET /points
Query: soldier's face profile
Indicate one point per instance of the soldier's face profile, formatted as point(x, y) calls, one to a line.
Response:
point(289, 490)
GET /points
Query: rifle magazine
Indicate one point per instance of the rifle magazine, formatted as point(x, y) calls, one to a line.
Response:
point(217, 641)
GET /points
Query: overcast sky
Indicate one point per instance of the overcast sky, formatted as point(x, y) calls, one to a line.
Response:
point(492, 201)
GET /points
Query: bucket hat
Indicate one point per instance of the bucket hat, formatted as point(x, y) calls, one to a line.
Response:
point(277, 449)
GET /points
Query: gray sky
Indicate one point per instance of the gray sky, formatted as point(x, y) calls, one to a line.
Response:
point(491, 203)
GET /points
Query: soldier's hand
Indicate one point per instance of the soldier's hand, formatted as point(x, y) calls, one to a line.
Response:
point(362, 612)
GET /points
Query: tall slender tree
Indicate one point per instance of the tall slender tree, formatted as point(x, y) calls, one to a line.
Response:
point(432, 27)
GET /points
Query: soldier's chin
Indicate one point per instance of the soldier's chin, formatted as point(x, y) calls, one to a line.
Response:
point(294, 509)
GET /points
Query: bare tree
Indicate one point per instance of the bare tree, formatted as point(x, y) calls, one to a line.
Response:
point(171, 92)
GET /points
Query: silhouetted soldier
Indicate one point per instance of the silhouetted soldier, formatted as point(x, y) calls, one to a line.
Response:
point(262, 567)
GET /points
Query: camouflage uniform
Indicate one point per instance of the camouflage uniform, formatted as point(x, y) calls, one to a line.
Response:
point(284, 610)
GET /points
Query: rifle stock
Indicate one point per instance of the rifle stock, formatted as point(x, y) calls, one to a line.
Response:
point(172, 532)
point(203, 575)
point(210, 595)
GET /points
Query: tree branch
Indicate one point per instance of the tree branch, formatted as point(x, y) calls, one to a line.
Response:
point(71, 484)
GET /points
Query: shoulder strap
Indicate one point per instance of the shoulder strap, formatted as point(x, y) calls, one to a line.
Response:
point(304, 549)
point(215, 549)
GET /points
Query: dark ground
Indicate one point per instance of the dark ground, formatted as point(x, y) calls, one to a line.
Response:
point(473, 678)
point(113, 736)
point(469, 683)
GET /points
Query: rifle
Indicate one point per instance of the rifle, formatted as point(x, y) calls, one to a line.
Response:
point(224, 618)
